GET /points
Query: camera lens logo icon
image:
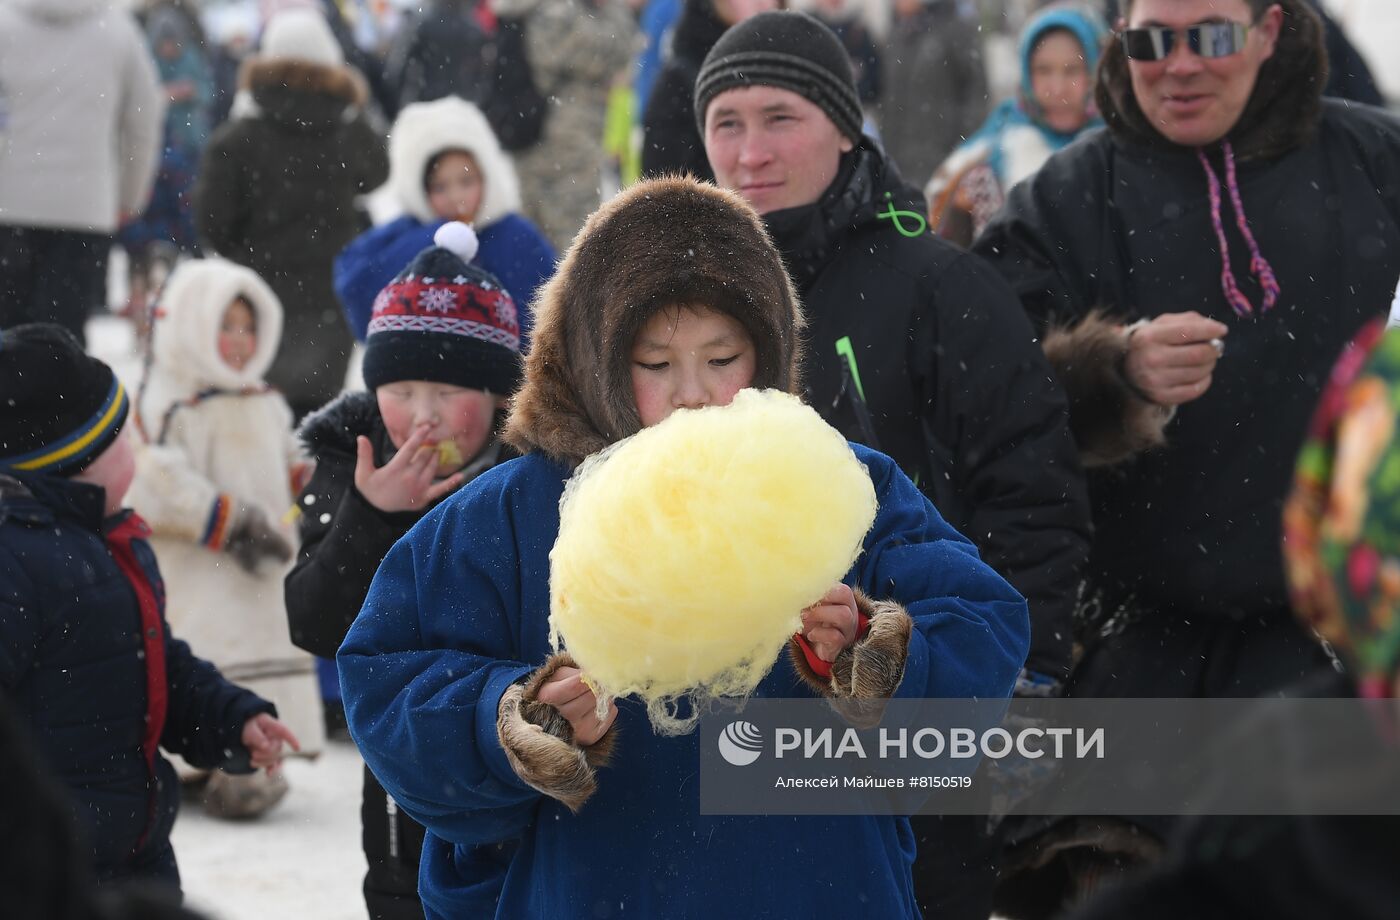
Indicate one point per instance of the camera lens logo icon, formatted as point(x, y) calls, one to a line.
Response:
point(740, 743)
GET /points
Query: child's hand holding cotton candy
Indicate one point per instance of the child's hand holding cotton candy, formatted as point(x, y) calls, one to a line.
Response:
point(831, 625)
point(577, 703)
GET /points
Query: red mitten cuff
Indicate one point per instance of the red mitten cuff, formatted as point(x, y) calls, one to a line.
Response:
point(823, 668)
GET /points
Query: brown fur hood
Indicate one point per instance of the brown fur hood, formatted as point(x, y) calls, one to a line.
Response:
point(1282, 113)
point(269, 77)
point(665, 242)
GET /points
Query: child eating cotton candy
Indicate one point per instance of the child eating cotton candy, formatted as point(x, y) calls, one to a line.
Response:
point(442, 352)
point(672, 297)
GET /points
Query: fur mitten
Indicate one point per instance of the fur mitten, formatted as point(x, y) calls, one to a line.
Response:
point(539, 742)
point(252, 538)
point(1111, 421)
point(865, 675)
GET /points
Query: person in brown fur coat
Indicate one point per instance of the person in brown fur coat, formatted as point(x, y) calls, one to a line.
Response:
point(672, 297)
point(277, 189)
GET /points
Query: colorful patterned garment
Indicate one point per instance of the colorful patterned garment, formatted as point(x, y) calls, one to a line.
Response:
point(1342, 520)
point(971, 184)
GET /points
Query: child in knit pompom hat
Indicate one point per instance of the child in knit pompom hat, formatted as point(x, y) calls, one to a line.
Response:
point(216, 475)
point(441, 356)
point(85, 648)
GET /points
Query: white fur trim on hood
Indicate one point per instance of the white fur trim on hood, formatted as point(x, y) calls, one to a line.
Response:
point(303, 35)
point(186, 332)
point(425, 129)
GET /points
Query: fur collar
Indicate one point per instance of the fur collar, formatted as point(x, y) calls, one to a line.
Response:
point(335, 425)
point(263, 77)
point(1282, 114)
point(659, 243)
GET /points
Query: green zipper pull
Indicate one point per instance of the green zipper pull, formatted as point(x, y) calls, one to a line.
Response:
point(845, 349)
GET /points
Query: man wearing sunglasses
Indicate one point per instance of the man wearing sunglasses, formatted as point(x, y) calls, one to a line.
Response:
point(1195, 269)
point(1193, 79)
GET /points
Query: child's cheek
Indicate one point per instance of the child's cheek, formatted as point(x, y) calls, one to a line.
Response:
point(646, 393)
point(469, 426)
point(397, 419)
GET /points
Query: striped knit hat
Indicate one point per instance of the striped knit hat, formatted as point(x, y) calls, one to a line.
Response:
point(445, 319)
point(59, 408)
point(791, 51)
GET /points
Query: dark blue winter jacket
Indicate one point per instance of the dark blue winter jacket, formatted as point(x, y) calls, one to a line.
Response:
point(512, 249)
point(75, 645)
point(459, 611)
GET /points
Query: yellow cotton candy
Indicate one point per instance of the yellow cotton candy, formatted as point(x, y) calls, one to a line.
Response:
point(687, 552)
point(448, 454)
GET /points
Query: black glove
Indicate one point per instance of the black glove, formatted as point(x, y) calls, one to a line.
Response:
point(252, 538)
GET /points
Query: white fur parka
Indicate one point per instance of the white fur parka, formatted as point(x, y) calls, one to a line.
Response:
point(216, 442)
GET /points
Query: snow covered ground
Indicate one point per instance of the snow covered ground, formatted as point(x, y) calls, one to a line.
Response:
point(302, 859)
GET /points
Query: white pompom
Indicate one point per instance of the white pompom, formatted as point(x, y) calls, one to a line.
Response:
point(457, 238)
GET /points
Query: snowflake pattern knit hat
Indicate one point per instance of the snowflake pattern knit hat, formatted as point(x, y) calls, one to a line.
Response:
point(445, 319)
point(59, 408)
point(791, 51)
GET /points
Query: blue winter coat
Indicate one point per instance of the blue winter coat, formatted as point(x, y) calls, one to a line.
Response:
point(458, 612)
point(512, 249)
point(72, 658)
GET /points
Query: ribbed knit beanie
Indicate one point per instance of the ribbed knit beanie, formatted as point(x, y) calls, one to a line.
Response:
point(59, 408)
point(792, 51)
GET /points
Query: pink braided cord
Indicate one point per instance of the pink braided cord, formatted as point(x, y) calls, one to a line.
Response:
point(1259, 267)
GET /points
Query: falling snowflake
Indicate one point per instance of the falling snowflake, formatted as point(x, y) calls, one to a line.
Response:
point(436, 300)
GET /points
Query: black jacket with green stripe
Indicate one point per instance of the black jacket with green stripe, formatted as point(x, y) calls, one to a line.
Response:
point(920, 350)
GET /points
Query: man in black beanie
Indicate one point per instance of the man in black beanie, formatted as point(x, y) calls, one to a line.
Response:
point(915, 348)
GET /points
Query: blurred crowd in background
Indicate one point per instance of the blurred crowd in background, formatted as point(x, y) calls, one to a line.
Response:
point(585, 96)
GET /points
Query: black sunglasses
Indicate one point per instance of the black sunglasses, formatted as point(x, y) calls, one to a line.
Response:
point(1208, 39)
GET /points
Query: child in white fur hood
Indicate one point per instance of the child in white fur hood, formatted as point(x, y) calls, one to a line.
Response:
point(217, 472)
point(446, 164)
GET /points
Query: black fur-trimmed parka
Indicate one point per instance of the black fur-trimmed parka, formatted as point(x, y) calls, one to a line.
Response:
point(1118, 227)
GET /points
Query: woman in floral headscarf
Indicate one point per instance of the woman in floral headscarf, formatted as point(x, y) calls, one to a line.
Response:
point(1342, 520)
point(1059, 49)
